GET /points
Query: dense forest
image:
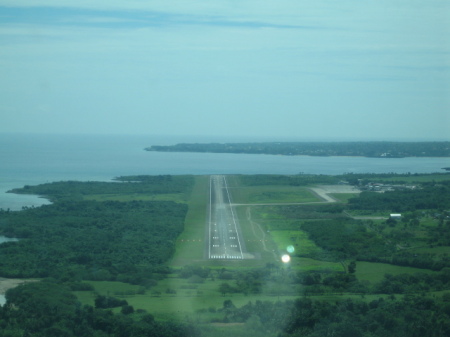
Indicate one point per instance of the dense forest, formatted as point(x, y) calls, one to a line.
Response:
point(80, 239)
point(76, 190)
point(364, 149)
point(111, 240)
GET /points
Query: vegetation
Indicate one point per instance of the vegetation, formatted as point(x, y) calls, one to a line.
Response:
point(366, 149)
point(133, 256)
point(134, 185)
point(45, 309)
point(436, 196)
point(86, 239)
point(290, 180)
point(410, 316)
point(126, 241)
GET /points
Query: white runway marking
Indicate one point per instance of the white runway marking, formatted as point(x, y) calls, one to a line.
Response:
point(224, 235)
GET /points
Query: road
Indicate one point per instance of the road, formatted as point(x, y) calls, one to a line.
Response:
point(224, 235)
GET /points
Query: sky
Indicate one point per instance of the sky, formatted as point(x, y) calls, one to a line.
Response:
point(278, 69)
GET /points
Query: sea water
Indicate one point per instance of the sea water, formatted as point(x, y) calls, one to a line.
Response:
point(34, 159)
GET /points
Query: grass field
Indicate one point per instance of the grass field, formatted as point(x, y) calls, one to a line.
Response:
point(343, 197)
point(190, 244)
point(163, 305)
point(297, 239)
point(187, 302)
point(432, 250)
point(257, 239)
point(273, 194)
point(369, 213)
point(374, 272)
point(307, 264)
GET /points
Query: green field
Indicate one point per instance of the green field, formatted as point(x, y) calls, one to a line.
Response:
point(343, 197)
point(273, 195)
point(189, 297)
point(190, 244)
point(307, 264)
point(369, 213)
point(297, 239)
point(374, 272)
point(257, 239)
point(432, 250)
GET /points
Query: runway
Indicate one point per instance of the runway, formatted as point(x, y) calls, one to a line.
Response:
point(224, 235)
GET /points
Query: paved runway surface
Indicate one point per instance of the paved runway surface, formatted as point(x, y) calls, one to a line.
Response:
point(223, 226)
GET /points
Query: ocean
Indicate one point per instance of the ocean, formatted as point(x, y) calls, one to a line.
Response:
point(34, 159)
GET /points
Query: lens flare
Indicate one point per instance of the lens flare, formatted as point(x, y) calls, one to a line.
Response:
point(285, 258)
point(290, 249)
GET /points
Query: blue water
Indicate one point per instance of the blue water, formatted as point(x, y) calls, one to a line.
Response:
point(35, 159)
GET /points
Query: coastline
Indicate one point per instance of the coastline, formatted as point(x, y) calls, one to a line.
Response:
point(9, 283)
point(304, 155)
point(6, 284)
point(367, 149)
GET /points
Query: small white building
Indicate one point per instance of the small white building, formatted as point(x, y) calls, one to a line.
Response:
point(395, 216)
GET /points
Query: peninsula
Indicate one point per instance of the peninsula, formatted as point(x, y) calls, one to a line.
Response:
point(361, 149)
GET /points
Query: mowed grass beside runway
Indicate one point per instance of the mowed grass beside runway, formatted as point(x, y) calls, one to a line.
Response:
point(272, 194)
point(297, 239)
point(256, 239)
point(190, 244)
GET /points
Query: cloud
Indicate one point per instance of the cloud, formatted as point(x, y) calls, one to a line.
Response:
point(61, 16)
point(169, 62)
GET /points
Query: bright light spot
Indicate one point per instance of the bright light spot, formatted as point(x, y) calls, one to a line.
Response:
point(290, 249)
point(285, 258)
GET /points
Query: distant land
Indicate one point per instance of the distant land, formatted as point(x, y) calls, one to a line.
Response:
point(360, 149)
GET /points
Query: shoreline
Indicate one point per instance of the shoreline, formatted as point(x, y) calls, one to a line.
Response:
point(299, 155)
point(9, 283)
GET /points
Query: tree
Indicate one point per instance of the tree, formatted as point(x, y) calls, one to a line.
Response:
point(227, 304)
point(127, 309)
point(352, 267)
point(225, 288)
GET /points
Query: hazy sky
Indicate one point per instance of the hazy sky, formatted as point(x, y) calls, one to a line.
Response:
point(279, 68)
